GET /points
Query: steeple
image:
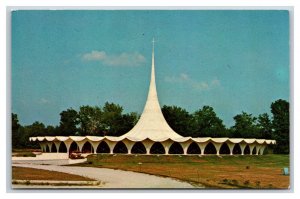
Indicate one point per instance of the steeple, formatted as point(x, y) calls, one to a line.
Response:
point(152, 123)
point(152, 100)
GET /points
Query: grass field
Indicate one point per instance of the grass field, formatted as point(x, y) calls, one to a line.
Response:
point(23, 152)
point(260, 172)
point(21, 173)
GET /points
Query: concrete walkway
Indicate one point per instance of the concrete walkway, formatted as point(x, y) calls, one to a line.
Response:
point(115, 178)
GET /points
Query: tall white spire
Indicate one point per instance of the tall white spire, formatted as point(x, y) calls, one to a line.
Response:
point(152, 123)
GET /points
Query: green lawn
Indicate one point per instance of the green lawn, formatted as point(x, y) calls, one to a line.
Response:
point(213, 171)
point(23, 153)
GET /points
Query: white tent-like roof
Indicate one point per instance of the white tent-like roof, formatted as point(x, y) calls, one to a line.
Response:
point(152, 124)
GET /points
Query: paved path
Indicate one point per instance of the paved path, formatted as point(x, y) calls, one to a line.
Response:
point(115, 178)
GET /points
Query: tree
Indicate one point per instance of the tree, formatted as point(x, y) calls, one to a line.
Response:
point(281, 125)
point(178, 119)
point(245, 126)
point(33, 130)
point(127, 122)
point(265, 128)
point(68, 122)
point(52, 130)
point(15, 126)
point(90, 119)
point(207, 124)
point(112, 119)
point(37, 129)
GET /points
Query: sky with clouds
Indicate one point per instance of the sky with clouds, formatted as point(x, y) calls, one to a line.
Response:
point(233, 61)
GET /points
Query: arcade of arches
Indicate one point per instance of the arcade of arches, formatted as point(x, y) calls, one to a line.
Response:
point(167, 147)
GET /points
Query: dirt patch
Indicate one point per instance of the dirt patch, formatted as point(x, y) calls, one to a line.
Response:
point(21, 173)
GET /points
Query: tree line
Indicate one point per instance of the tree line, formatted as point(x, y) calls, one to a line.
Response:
point(110, 120)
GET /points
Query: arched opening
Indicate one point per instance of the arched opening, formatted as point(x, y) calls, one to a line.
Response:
point(176, 148)
point(120, 148)
point(157, 148)
point(237, 149)
point(87, 147)
point(210, 149)
point(193, 149)
point(103, 148)
point(224, 149)
point(62, 148)
point(53, 148)
point(254, 150)
point(138, 148)
point(247, 150)
point(47, 149)
point(74, 148)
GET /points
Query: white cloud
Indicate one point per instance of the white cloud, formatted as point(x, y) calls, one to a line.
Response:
point(123, 59)
point(181, 78)
point(198, 85)
point(43, 101)
point(184, 76)
point(215, 82)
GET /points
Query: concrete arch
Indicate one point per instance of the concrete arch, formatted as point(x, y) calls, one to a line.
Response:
point(262, 149)
point(254, 151)
point(258, 147)
point(166, 144)
point(202, 146)
point(80, 144)
point(103, 148)
point(74, 147)
point(185, 145)
point(47, 149)
point(176, 148)
point(87, 147)
point(57, 144)
point(129, 144)
point(225, 149)
point(53, 148)
point(111, 145)
point(148, 144)
point(237, 149)
point(42, 145)
point(210, 149)
point(242, 146)
point(247, 150)
point(193, 148)
point(62, 148)
point(120, 148)
point(157, 148)
point(49, 144)
point(138, 148)
point(94, 145)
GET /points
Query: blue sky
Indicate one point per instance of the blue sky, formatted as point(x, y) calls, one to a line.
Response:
point(233, 61)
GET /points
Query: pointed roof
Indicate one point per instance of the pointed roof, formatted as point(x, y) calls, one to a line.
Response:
point(152, 124)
